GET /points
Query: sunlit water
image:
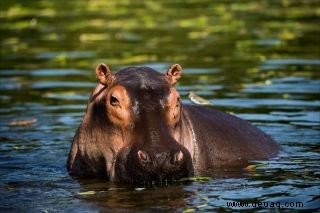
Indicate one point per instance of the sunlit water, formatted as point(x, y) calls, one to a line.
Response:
point(257, 60)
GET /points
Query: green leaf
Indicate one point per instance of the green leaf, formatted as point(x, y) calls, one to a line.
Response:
point(202, 206)
point(24, 122)
point(188, 210)
point(200, 178)
point(195, 179)
point(262, 164)
point(87, 193)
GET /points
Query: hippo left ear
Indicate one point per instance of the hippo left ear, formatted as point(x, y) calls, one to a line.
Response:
point(104, 74)
point(174, 74)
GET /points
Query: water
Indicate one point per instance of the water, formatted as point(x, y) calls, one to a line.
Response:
point(256, 59)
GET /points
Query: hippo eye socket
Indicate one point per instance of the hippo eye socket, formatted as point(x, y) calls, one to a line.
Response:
point(114, 101)
point(178, 102)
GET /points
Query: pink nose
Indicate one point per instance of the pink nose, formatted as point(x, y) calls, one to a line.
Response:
point(160, 159)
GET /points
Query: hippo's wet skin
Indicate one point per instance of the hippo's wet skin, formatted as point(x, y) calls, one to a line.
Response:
point(136, 129)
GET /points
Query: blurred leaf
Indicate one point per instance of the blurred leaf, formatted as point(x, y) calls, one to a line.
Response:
point(205, 198)
point(268, 82)
point(286, 95)
point(195, 179)
point(62, 58)
point(188, 210)
point(252, 167)
point(87, 193)
point(25, 122)
point(202, 206)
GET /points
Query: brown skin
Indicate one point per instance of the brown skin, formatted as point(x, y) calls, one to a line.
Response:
point(136, 130)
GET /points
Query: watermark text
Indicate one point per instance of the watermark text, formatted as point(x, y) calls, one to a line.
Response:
point(264, 204)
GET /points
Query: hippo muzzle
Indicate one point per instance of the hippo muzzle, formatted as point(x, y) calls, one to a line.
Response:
point(148, 165)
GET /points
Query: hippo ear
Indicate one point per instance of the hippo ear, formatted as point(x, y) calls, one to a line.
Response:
point(103, 74)
point(174, 74)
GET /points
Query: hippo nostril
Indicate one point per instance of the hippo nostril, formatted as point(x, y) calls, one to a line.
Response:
point(143, 156)
point(178, 157)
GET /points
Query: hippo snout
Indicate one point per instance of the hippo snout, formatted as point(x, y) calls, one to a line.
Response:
point(145, 164)
point(162, 160)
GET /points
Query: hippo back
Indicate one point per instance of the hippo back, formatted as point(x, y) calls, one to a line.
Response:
point(223, 140)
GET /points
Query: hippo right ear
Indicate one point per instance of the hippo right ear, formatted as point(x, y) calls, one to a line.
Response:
point(103, 74)
point(174, 74)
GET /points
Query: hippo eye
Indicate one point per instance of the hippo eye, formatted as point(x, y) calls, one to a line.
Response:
point(178, 102)
point(114, 101)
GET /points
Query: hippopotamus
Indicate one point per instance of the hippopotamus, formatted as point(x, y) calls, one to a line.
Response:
point(136, 129)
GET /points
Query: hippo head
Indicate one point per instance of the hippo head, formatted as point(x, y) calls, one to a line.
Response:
point(139, 113)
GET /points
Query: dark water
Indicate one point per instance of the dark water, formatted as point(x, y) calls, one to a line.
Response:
point(256, 59)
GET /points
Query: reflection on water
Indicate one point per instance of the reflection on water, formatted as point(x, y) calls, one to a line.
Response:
point(256, 59)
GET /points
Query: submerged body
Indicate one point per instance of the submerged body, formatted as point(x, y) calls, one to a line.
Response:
point(137, 129)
